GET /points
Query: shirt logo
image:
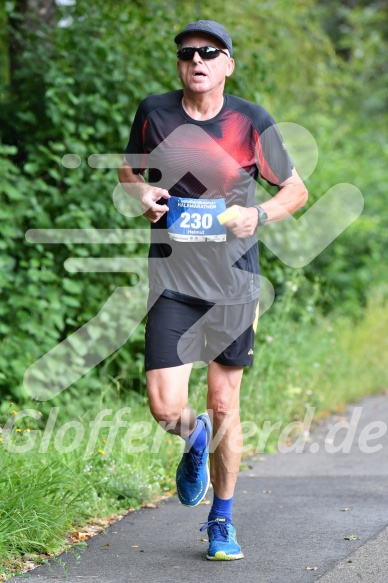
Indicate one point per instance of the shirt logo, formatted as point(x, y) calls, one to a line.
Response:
point(250, 351)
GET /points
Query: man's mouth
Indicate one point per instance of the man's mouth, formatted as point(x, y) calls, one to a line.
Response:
point(199, 74)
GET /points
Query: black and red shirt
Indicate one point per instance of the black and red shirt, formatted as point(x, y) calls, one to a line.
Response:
point(220, 157)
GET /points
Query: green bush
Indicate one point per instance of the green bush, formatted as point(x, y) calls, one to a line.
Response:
point(77, 90)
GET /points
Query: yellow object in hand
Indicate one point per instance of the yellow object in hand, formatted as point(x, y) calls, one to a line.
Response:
point(229, 215)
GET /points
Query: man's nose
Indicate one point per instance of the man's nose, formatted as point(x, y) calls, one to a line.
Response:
point(197, 57)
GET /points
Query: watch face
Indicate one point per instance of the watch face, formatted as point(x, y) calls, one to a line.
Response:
point(263, 217)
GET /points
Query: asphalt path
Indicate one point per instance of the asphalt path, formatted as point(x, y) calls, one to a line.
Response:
point(318, 515)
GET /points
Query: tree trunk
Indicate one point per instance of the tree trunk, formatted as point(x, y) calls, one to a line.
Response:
point(28, 16)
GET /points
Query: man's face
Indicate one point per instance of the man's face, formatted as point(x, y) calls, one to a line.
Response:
point(200, 75)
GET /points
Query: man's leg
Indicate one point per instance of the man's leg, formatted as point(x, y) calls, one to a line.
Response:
point(167, 390)
point(168, 397)
point(168, 372)
point(223, 406)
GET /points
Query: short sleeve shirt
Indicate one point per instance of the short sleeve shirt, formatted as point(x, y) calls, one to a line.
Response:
point(217, 158)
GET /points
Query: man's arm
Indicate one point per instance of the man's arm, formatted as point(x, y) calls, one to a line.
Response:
point(135, 185)
point(292, 196)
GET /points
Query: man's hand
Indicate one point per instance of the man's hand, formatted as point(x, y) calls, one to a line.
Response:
point(148, 196)
point(151, 210)
point(245, 224)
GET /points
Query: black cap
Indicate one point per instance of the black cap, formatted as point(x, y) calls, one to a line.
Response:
point(208, 27)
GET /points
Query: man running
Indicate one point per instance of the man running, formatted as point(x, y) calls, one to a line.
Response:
point(205, 151)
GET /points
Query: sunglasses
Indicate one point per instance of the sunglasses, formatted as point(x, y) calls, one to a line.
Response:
point(206, 53)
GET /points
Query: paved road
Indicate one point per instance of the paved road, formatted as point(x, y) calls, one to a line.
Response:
point(289, 514)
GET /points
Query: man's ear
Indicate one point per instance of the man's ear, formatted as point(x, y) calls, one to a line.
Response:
point(230, 67)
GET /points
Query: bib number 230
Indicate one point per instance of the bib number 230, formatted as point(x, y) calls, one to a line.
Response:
point(191, 219)
point(196, 221)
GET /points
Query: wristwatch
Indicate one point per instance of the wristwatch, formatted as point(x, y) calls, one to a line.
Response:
point(262, 217)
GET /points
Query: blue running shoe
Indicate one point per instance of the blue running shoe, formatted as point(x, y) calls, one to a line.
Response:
point(192, 475)
point(222, 538)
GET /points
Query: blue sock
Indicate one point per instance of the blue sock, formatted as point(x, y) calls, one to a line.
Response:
point(221, 508)
point(198, 438)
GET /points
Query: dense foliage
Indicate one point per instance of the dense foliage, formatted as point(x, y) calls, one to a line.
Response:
point(75, 90)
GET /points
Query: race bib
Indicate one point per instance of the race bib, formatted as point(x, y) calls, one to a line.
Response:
point(195, 219)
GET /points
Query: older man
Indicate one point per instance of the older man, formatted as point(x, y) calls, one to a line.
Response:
point(209, 148)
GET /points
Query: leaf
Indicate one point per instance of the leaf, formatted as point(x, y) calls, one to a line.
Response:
point(13, 193)
point(72, 287)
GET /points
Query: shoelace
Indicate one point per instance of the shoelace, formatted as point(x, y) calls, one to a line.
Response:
point(220, 533)
point(194, 463)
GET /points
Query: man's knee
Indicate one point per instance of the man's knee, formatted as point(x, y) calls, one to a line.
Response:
point(221, 407)
point(224, 391)
point(167, 394)
point(164, 412)
point(164, 409)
